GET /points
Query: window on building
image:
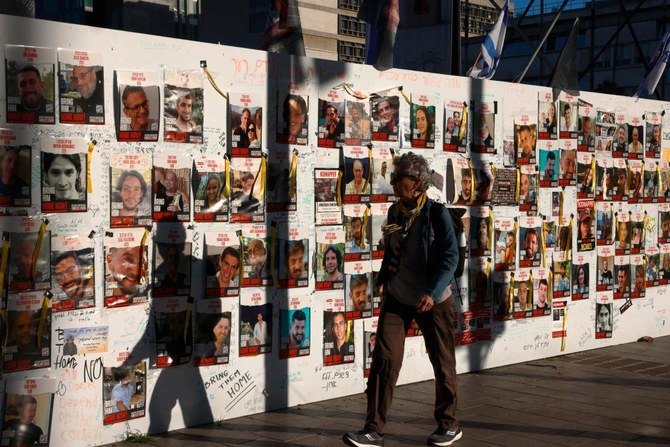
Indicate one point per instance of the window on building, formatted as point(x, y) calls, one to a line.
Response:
point(350, 52)
point(625, 54)
point(352, 5)
point(605, 59)
point(350, 26)
point(646, 53)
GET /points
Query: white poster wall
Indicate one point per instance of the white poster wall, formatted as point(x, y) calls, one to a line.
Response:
point(116, 340)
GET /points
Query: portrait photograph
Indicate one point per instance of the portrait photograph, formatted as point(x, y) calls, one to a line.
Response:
point(64, 175)
point(171, 189)
point(27, 419)
point(72, 275)
point(423, 127)
point(212, 332)
point(81, 87)
point(246, 125)
point(183, 106)
point(223, 261)
point(292, 118)
point(331, 123)
point(30, 79)
point(28, 343)
point(210, 203)
point(124, 393)
point(15, 178)
point(174, 332)
point(338, 339)
point(256, 323)
point(22, 247)
point(294, 330)
point(126, 268)
point(385, 117)
point(139, 106)
point(358, 125)
point(131, 188)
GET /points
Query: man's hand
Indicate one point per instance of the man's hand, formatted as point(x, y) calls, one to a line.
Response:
point(424, 304)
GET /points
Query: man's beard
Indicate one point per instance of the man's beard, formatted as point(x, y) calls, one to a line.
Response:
point(257, 261)
point(30, 103)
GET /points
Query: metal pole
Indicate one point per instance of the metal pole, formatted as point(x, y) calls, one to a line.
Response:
point(544, 38)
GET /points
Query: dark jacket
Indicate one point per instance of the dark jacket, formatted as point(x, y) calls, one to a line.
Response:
point(440, 252)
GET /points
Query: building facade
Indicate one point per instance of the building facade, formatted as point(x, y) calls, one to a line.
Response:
point(331, 29)
point(611, 55)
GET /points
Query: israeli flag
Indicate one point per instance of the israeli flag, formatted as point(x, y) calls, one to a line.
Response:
point(492, 46)
point(657, 65)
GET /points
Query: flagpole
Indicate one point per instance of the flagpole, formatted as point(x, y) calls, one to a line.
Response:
point(539, 47)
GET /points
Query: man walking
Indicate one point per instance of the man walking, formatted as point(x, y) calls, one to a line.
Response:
point(420, 258)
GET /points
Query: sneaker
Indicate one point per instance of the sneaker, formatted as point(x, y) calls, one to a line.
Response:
point(442, 436)
point(363, 438)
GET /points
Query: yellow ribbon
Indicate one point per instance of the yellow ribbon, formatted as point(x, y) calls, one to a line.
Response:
point(472, 183)
point(226, 190)
point(593, 173)
point(569, 246)
point(349, 88)
point(242, 250)
point(367, 178)
point(626, 189)
point(293, 178)
point(89, 157)
point(366, 215)
point(510, 297)
point(46, 304)
point(644, 225)
point(490, 226)
point(38, 247)
point(660, 177)
point(404, 95)
point(518, 181)
point(261, 172)
point(464, 121)
point(211, 80)
point(339, 188)
point(616, 226)
point(143, 244)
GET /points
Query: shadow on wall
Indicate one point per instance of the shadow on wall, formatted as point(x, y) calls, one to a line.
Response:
point(192, 394)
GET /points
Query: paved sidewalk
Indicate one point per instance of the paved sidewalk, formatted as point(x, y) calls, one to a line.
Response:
point(606, 397)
